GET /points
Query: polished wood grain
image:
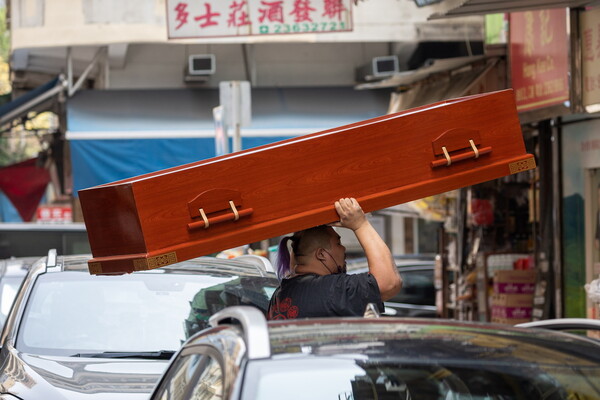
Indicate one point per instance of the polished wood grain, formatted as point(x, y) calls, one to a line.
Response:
point(144, 221)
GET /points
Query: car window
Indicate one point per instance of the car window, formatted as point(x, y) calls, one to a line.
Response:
point(193, 377)
point(455, 380)
point(9, 286)
point(75, 312)
point(209, 384)
point(417, 287)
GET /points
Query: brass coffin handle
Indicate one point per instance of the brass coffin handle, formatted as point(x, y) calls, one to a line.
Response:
point(208, 222)
point(474, 152)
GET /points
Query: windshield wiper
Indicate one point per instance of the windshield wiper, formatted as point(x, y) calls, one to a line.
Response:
point(150, 355)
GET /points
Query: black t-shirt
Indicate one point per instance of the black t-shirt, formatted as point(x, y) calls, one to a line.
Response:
point(335, 295)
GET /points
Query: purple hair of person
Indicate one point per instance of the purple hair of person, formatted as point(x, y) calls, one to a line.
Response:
point(283, 258)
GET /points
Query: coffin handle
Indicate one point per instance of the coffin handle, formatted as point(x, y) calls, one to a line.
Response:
point(208, 222)
point(214, 206)
point(449, 159)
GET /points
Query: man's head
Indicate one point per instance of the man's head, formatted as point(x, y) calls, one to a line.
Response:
point(318, 246)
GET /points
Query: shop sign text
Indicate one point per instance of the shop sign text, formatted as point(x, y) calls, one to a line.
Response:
point(590, 49)
point(224, 18)
point(539, 58)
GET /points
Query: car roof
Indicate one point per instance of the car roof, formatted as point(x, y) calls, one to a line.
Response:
point(408, 340)
point(420, 339)
point(247, 266)
point(16, 266)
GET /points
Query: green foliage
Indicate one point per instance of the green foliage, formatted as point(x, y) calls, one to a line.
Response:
point(4, 36)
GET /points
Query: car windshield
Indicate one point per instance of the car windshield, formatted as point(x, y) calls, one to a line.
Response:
point(351, 379)
point(73, 312)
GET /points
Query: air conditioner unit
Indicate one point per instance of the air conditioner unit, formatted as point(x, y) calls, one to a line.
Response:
point(201, 64)
point(379, 67)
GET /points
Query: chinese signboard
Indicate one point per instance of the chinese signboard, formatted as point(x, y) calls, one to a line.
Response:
point(222, 18)
point(539, 58)
point(590, 49)
point(54, 214)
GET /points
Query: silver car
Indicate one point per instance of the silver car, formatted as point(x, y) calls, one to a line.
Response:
point(72, 335)
point(244, 357)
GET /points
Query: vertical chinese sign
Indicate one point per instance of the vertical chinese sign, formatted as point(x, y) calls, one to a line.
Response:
point(590, 51)
point(223, 18)
point(539, 58)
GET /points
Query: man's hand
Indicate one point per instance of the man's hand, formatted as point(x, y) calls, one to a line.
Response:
point(351, 214)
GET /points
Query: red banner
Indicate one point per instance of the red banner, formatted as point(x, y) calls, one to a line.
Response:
point(539, 58)
point(24, 184)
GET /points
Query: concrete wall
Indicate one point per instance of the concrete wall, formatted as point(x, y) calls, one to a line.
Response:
point(264, 64)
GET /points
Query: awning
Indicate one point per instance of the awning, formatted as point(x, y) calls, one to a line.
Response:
point(38, 99)
point(462, 8)
point(441, 80)
point(459, 83)
point(406, 78)
point(117, 134)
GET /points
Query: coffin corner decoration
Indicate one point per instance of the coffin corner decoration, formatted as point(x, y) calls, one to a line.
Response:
point(197, 209)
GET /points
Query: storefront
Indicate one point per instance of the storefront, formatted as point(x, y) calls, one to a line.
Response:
point(581, 205)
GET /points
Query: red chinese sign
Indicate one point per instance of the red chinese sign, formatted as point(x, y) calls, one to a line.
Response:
point(221, 18)
point(54, 214)
point(590, 51)
point(539, 58)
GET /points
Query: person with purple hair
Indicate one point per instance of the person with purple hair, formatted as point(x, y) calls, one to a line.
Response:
point(311, 266)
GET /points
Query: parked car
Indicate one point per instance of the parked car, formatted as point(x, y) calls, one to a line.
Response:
point(72, 335)
point(12, 273)
point(244, 357)
point(417, 296)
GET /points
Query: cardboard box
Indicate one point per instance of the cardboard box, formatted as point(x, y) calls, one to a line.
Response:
point(594, 313)
point(512, 300)
point(511, 312)
point(510, 321)
point(514, 276)
point(514, 281)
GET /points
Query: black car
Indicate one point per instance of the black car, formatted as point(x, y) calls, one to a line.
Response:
point(244, 357)
point(417, 296)
point(72, 335)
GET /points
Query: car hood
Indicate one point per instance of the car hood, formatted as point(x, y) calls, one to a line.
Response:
point(48, 377)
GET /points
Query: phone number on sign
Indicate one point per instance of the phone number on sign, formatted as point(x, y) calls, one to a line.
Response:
point(303, 27)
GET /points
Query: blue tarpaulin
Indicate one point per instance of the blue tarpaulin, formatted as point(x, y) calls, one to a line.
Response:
point(118, 134)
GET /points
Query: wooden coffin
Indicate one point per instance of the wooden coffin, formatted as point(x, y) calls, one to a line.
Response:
point(204, 207)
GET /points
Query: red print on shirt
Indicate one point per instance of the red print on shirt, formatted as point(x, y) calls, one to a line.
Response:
point(283, 310)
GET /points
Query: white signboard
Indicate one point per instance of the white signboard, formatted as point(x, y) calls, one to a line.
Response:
point(221, 138)
point(224, 18)
point(236, 101)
